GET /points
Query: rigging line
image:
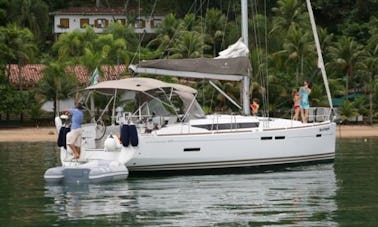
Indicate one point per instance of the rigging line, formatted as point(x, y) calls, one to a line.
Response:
point(264, 72)
point(177, 32)
point(140, 40)
point(211, 100)
point(225, 25)
point(254, 11)
point(139, 49)
point(258, 45)
point(266, 59)
point(202, 29)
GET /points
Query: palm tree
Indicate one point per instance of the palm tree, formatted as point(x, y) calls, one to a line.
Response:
point(347, 110)
point(214, 28)
point(106, 51)
point(56, 84)
point(347, 55)
point(372, 63)
point(71, 46)
point(188, 45)
point(167, 31)
point(300, 49)
point(17, 47)
point(126, 32)
point(289, 14)
point(30, 14)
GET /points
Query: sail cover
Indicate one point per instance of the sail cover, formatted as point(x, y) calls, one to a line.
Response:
point(231, 64)
point(222, 69)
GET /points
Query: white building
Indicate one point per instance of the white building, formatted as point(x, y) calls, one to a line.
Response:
point(70, 19)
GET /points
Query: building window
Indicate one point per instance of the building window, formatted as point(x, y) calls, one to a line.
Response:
point(122, 21)
point(64, 23)
point(83, 22)
point(155, 22)
point(101, 23)
point(139, 23)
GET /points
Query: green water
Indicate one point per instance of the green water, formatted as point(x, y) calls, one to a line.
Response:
point(342, 193)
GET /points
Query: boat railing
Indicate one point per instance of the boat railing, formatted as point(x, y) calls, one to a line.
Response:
point(319, 114)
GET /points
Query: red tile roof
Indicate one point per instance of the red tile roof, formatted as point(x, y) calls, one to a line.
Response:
point(32, 73)
point(91, 11)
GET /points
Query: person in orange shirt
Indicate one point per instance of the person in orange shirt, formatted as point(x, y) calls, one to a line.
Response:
point(255, 107)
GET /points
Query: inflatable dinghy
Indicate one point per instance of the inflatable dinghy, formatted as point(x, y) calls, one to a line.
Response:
point(96, 171)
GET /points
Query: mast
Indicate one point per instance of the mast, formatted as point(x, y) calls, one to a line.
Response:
point(246, 79)
point(320, 57)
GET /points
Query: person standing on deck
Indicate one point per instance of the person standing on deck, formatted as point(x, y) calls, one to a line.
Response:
point(74, 136)
point(296, 106)
point(304, 104)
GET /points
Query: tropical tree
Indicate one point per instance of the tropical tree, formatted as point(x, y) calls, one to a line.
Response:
point(71, 46)
point(3, 12)
point(215, 22)
point(288, 14)
point(17, 47)
point(348, 110)
point(372, 64)
point(167, 31)
point(56, 84)
point(31, 14)
point(11, 101)
point(189, 45)
point(347, 56)
point(300, 49)
point(126, 32)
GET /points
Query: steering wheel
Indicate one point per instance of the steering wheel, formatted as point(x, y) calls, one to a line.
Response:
point(100, 129)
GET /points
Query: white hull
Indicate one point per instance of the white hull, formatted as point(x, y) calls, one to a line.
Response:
point(181, 147)
point(237, 149)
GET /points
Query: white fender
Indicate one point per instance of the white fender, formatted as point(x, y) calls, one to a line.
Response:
point(64, 155)
point(58, 124)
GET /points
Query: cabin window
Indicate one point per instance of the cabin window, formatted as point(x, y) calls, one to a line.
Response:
point(101, 23)
point(228, 126)
point(83, 22)
point(64, 23)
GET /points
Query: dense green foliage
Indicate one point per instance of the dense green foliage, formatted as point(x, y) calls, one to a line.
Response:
point(281, 43)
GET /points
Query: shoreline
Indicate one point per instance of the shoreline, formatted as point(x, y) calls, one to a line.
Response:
point(49, 134)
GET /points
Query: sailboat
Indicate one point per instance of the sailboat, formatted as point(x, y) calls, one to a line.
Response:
point(159, 135)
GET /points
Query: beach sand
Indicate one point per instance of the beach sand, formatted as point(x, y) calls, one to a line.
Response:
point(34, 134)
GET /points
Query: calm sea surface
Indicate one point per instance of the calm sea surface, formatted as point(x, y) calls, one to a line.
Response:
point(342, 193)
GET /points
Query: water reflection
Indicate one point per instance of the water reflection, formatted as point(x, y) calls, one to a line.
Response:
point(357, 182)
point(300, 195)
point(86, 201)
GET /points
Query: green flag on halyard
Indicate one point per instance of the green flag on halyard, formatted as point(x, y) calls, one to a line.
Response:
point(94, 78)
